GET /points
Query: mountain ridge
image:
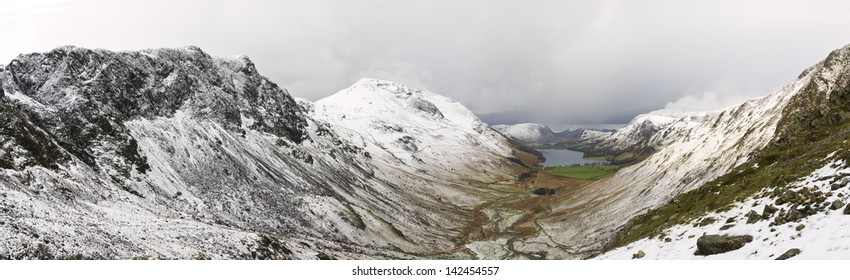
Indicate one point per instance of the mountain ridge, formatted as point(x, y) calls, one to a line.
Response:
point(806, 158)
point(691, 158)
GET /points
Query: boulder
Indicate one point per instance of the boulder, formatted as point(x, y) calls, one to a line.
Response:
point(789, 254)
point(847, 210)
point(836, 205)
point(717, 244)
point(639, 255)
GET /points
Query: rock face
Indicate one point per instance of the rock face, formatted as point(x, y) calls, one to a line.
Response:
point(80, 95)
point(716, 244)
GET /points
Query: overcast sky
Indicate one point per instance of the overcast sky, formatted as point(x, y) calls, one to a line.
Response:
point(552, 62)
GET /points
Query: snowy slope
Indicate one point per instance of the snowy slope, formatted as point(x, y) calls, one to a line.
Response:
point(690, 152)
point(171, 153)
point(419, 131)
point(528, 133)
point(823, 235)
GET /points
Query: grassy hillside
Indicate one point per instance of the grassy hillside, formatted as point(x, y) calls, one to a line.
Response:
point(814, 130)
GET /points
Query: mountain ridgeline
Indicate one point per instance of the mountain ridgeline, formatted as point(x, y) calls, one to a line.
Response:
point(82, 95)
point(171, 153)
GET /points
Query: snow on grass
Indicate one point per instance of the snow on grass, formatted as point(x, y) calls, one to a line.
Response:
point(824, 235)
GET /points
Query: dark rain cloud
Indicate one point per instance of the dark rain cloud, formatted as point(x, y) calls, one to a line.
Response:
point(553, 62)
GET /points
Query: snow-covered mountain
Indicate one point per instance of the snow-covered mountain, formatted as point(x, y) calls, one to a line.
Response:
point(696, 150)
point(171, 153)
point(788, 200)
point(692, 151)
point(645, 134)
point(528, 133)
point(426, 132)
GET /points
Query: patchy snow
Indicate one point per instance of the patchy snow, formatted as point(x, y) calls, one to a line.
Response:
point(825, 235)
point(691, 151)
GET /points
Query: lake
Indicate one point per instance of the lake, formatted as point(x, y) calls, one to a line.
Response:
point(565, 157)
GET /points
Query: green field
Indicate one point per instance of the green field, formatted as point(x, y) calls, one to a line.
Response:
point(548, 147)
point(587, 172)
point(597, 158)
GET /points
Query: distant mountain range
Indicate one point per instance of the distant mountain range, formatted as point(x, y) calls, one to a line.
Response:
point(538, 134)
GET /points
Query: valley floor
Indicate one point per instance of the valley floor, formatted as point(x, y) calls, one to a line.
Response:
point(509, 227)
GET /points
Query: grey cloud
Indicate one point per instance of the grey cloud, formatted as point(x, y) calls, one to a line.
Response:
point(553, 62)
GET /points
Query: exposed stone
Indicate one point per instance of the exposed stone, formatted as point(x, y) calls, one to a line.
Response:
point(800, 227)
point(753, 217)
point(707, 221)
point(836, 205)
point(792, 215)
point(847, 210)
point(716, 244)
point(789, 254)
point(725, 227)
point(768, 211)
point(543, 191)
point(639, 255)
